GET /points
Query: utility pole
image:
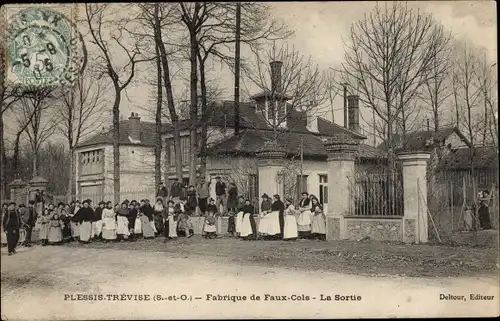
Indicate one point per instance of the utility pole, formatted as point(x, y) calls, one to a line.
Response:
point(346, 125)
point(374, 139)
point(237, 71)
point(301, 165)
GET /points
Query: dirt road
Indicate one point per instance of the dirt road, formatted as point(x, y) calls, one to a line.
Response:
point(44, 283)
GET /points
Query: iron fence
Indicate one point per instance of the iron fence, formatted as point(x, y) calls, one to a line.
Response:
point(376, 194)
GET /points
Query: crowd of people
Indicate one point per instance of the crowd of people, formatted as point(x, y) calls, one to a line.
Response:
point(170, 216)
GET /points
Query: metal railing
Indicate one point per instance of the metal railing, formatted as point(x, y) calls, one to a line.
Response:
point(379, 194)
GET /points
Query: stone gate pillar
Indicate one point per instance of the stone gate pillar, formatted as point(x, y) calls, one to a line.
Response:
point(415, 221)
point(271, 158)
point(18, 191)
point(340, 150)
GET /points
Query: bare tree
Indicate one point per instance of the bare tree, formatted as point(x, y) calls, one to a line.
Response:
point(80, 113)
point(301, 86)
point(487, 83)
point(388, 58)
point(34, 116)
point(466, 92)
point(108, 35)
point(438, 89)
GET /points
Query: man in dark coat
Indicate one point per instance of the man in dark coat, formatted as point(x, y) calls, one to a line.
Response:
point(248, 208)
point(162, 192)
point(278, 205)
point(11, 225)
point(176, 191)
point(220, 195)
point(29, 219)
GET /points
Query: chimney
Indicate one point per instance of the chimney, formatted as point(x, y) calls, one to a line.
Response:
point(312, 119)
point(276, 76)
point(353, 109)
point(135, 126)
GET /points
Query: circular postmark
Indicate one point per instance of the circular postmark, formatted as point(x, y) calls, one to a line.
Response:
point(44, 48)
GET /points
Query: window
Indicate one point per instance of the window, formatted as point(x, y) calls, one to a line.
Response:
point(323, 189)
point(91, 162)
point(301, 184)
point(185, 150)
point(253, 186)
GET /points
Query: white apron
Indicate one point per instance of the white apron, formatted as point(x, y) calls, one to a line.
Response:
point(238, 221)
point(269, 224)
point(246, 227)
point(122, 226)
point(138, 226)
point(290, 230)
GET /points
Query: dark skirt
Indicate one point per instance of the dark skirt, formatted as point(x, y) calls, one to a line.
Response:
point(158, 223)
point(484, 218)
point(203, 204)
point(232, 202)
point(192, 202)
point(231, 224)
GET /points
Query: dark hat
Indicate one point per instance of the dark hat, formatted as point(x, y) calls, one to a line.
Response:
point(86, 201)
point(126, 201)
point(109, 202)
point(265, 195)
point(143, 200)
point(276, 196)
point(102, 202)
point(170, 201)
point(306, 193)
point(12, 203)
point(217, 177)
point(134, 201)
point(60, 203)
point(31, 202)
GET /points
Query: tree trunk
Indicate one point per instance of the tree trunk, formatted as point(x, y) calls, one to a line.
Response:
point(193, 109)
point(159, 101)
point(205, 116)
point(170, 96)
point(3, 163)
point(116, 145)
point(15, 157)
point(72, 168)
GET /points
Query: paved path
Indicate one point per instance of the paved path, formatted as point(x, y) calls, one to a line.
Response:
point(36, 281)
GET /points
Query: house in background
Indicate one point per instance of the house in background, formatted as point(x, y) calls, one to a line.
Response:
point(95, 162)
point(233, 157)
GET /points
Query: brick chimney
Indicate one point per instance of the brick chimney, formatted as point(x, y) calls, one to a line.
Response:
point(135, 126)
point(276, 76)
point(353, 108)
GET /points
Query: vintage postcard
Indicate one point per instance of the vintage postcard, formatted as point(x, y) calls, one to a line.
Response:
point(244, 160)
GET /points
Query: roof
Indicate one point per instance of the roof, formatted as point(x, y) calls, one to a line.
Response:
point(460, 158)
point(423, 140)
point(223, 116)
point(147, 134)
point(250, 141)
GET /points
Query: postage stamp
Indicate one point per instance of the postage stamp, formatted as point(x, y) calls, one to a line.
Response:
point(44, 47)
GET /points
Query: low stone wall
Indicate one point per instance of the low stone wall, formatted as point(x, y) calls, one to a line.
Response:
point(382, 229)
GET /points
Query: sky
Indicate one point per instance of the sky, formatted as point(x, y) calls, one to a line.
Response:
point(320, 29)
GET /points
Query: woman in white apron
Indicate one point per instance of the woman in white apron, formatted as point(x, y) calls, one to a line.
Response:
point(108, 223)
point(304, 219)
point(318, 222)
point(264, 219)
point(122, 222)
point(290, 230)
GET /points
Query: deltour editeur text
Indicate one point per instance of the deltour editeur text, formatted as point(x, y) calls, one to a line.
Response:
point(209, 297)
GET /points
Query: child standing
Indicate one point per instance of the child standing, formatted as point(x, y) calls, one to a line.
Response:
point(184, 226)
point(44, 225)
point(209, 229)
point(55, 229)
